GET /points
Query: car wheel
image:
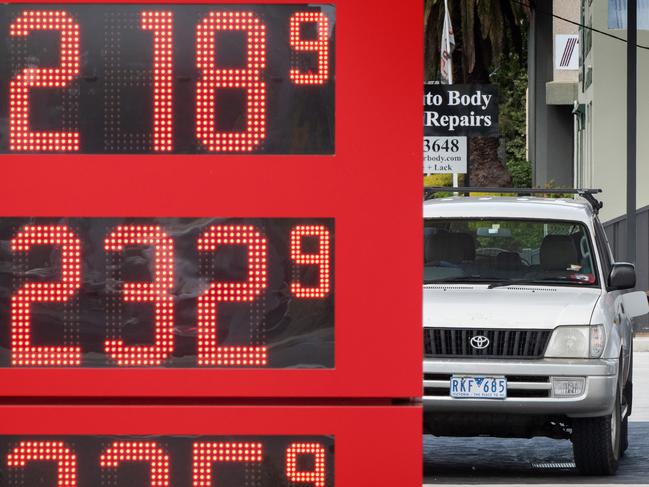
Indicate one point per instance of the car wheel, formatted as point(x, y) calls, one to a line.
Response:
point(596, 442)
point(628, 403)
point(624, 436)
point(628, 388)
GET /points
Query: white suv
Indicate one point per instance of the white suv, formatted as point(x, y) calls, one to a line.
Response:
point(528, 324)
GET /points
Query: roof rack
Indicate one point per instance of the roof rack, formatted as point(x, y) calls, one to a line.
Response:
point(586, 193)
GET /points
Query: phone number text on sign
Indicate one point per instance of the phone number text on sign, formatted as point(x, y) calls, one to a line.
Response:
point(445, 155)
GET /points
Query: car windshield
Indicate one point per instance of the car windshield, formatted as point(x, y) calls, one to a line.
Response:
point(507, 251)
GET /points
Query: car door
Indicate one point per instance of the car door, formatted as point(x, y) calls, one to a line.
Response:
point(622, 325)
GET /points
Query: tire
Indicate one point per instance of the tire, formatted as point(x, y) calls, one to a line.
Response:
point(627, 396)
point(596, 442)
point(624, 436)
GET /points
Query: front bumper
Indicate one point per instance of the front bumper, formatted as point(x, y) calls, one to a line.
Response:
point(529, 384)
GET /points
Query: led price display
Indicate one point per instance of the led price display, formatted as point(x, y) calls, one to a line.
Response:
point(115, 78)
point(166, 292)
point(165, 461)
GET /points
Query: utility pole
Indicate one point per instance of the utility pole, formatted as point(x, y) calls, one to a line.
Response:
point(631, 127)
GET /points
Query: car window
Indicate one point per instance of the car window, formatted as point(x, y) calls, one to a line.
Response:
point(547, 252)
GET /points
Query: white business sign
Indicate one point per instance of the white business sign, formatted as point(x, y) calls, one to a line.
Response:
point(445, 155)
point(566, 52)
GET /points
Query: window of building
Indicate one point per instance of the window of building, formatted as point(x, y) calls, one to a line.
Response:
point(617, 14)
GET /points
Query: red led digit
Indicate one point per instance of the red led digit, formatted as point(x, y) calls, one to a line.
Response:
point(319, 45)
point(139, 451)
point(158, 292)
point(161, 24)
point(22, 351)
point(213, 78)
point(321, 259)
point(21, 138)
point(206, 454)
point(209, 353)
point(47, 451)
point(315, 476)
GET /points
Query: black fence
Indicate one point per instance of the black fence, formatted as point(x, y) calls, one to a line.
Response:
point(616, 232)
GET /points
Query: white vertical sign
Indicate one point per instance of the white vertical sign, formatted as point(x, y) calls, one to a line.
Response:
point(566, 52)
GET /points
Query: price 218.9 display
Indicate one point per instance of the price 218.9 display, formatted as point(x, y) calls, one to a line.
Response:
point(159, 79)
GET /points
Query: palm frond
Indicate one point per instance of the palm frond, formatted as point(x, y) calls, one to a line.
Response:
point(484, 29)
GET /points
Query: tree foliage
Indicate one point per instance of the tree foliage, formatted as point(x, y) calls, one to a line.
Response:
point(490, 46)
point(484, 31)
point(511, 76)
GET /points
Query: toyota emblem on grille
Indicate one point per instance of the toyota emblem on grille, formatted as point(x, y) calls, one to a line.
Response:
point(479, 342)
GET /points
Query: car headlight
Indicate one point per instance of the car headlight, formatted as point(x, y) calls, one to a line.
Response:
point(576, 342)
point(597, 340)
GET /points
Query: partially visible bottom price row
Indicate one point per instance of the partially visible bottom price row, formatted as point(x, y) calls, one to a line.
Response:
point(205, 446)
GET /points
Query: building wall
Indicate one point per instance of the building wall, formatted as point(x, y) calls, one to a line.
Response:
point(557, 149)
point(568, 9)
point(550, 132)
point(602, 135)
point(601, 138)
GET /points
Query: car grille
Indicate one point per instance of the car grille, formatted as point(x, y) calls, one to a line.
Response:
point(455, 342)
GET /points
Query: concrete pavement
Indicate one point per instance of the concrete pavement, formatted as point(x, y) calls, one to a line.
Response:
point(641, 344)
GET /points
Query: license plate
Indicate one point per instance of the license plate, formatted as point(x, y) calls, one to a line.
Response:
point(478, 387)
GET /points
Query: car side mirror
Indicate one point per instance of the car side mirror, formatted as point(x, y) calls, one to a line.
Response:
point(622, 276)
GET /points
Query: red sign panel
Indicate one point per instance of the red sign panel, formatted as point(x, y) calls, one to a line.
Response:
point(210, 446)
point(210, 200)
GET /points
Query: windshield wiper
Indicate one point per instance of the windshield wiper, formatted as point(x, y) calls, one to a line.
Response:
point(511, 282)
point(502, 283)
point(456, 279)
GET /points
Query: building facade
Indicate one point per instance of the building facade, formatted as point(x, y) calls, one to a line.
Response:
point(600, 120)
point(553, 72)
point(577, 110)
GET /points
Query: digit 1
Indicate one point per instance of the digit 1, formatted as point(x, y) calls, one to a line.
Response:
point(206, 454)
point(158, 292)
point(47, 451)
point(213, 78)
point(209, 353)
point(321, 259)
point(20, 137)
point(317, 475)
point(161, 24)
point(139, 451)
point(319, 45)
point(22, 352)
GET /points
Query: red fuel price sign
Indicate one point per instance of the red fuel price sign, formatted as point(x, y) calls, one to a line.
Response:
point(210, 200)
